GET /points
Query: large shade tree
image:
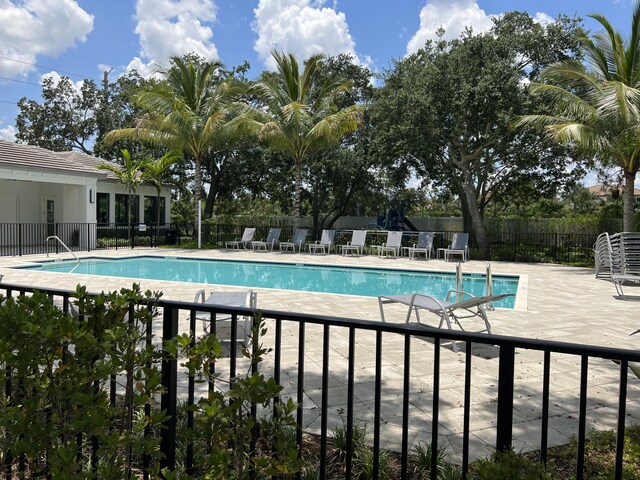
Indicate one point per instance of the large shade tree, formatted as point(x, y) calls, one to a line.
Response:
point(186, 113)
point(597, 106)
point(77, 118)
point(297, 114)
point(444, 114)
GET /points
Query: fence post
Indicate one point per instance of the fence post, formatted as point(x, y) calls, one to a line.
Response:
point(20, 239)
point(506, 371)
point(169, 398)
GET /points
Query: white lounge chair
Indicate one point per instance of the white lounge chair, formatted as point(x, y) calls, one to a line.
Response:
point(619, 279)
point(424, 245)
point(298, 239)
point(358, 239)
point(246, 298)
point(391, 246)
point(450, 312)
point(459, 246)
point(269, 243)
point(325, 244)
point(247, 237)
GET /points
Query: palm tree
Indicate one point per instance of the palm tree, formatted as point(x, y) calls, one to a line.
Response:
point(130, 175)
point(187, 113)
point(157, 173)
point(298, 115)
point(597, 107)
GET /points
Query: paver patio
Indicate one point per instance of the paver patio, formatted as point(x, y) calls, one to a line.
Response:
point(555, 302)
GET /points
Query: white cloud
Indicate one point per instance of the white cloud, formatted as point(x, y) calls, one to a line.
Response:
point(55, 77)
point(301, 27)
point(453, 16)
point(36, 27)
point(543, 19)
point(8, 133)
point(172, 27)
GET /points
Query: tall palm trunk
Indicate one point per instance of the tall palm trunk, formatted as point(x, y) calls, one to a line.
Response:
point(198, 194)
point(298, 193)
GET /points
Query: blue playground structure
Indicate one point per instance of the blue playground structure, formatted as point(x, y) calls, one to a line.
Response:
point(393, 218)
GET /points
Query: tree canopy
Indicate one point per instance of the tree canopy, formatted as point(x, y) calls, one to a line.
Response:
point(297, 112)
point(444, 112)
point(597, 106)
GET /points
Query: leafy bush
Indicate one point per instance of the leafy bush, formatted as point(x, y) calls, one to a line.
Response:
point(510, 466)
point(59, 416)
point(230, 441)
point(57, 409)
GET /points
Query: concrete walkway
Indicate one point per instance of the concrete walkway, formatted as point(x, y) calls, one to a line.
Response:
point(554, 302)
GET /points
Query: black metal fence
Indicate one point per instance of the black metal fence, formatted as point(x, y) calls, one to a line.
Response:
point(303, 332)
point(512, 247)
point(30, 238)
point(18, 239)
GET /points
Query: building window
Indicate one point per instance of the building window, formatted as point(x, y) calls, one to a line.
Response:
point(102, 208)
point(122, 205)
point(151, 212)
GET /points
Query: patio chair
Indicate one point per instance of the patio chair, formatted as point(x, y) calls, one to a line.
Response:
point(424, 245)
point(245, 298)
point(269, 243)
point(325, 244)
point(247, 237)
point(391, 246)
point(459, 246)
point(298, 239)
point(619, 279)
point(358, 239)
point(450, 312)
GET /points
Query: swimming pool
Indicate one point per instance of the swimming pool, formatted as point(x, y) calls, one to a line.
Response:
point(285, 276)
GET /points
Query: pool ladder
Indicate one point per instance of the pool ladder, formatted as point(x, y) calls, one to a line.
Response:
point(55, 237)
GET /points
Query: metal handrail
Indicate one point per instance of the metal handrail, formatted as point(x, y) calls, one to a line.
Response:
point(55, 237)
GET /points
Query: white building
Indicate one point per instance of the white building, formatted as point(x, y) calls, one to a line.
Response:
point(40, 189)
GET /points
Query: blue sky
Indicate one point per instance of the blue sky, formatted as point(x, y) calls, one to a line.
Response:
point(84, 37)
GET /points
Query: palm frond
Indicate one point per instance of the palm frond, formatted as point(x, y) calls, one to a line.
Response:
point(619, 103)
point(567, 103)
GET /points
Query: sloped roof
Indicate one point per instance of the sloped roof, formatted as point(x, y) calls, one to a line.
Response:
point(605, 190)
point(30, 157)
point(89, 161)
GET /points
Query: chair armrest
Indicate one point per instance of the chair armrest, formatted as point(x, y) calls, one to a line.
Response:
point(457, 292)
point(199, 298)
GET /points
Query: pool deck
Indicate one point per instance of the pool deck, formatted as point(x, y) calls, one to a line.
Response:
point(554, 302)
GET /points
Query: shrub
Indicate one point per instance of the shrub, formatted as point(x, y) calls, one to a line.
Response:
point(510, 466)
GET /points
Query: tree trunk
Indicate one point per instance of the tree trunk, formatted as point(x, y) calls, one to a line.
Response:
point(298, 194)
point(476, 216)
point(629, 200)
point(211, 197)
point(209, 204)
point(315, 209)
point(197, 195)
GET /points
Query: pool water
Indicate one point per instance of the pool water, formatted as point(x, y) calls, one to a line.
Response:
point(286, 276)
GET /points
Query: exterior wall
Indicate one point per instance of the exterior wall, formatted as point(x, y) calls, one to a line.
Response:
point(72, 202)
point(113, 188)
point(26, 202)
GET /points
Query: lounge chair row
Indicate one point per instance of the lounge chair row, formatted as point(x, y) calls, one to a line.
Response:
point(392, 247)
